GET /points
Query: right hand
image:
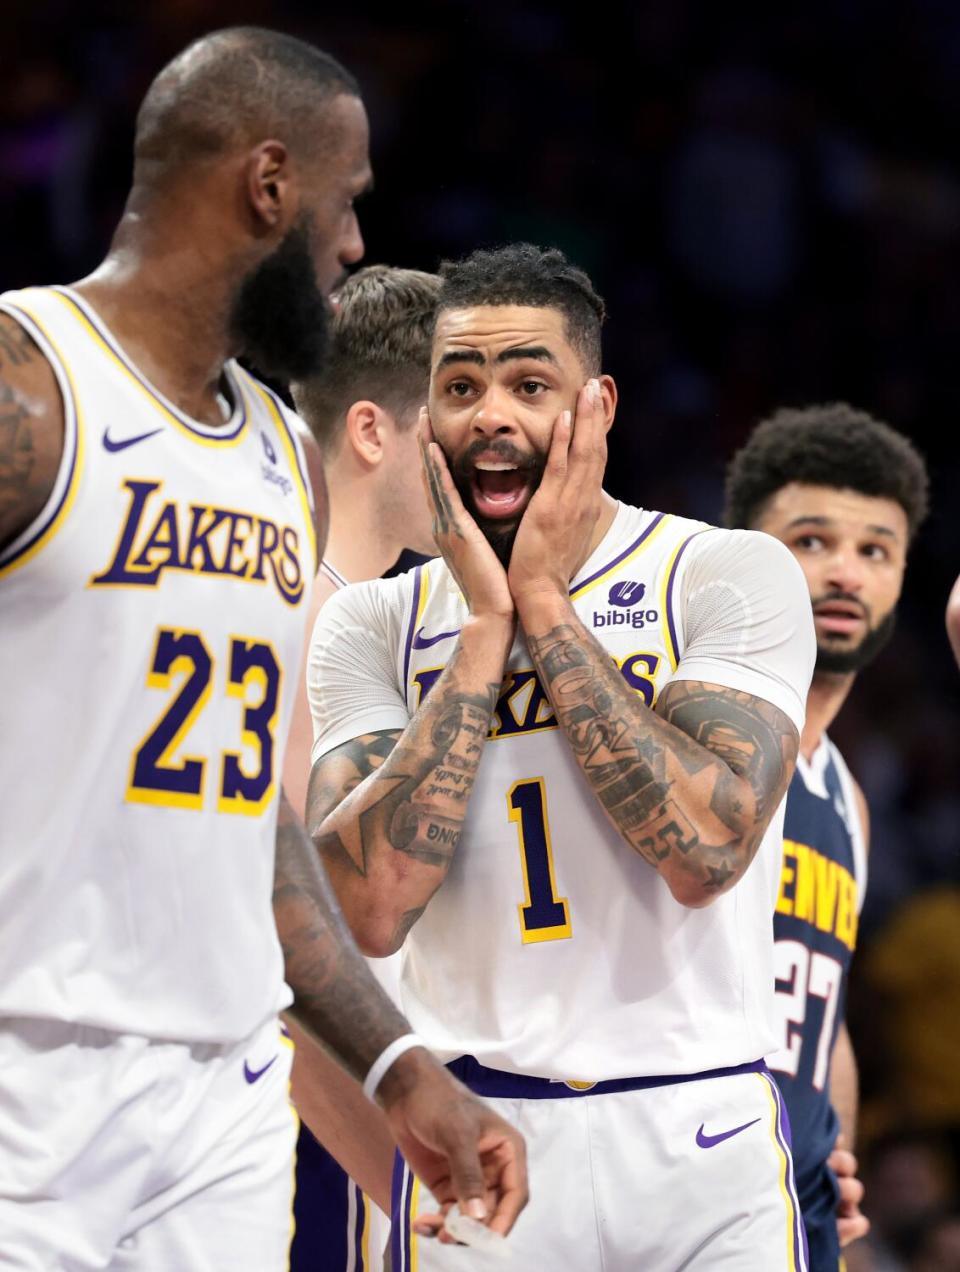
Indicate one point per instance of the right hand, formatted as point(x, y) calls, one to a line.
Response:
point(851, 1222)
point(472, 562)
point(455, 1143)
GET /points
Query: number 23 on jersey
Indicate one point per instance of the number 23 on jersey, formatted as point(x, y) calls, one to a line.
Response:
point(158, 775)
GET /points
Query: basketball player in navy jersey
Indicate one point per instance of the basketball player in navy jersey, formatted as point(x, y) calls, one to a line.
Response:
point(156, 539)
point(846, 494)
point(362, 414)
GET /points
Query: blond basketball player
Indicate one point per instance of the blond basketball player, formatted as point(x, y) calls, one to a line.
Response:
point(362, 412)
point(156, 548)
point(554, 763)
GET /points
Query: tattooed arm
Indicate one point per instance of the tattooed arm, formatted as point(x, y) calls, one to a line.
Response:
point(31, 430)
point(386, 809)
point(692, 785)
point(457, 1145)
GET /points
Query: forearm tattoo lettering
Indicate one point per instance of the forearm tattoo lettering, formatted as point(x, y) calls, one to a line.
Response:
point(420, 784)
point(691, 786)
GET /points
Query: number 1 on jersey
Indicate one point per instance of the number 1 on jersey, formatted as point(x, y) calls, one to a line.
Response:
point(543, 915)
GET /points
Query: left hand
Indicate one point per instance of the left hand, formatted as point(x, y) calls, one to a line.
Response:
point(554, 534)
point(851, 1223)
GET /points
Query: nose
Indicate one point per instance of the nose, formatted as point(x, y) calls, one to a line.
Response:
point(351, 247)
point(494, 416)
point(845, 572)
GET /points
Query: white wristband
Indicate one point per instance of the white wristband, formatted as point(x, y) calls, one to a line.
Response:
point(385, 1059)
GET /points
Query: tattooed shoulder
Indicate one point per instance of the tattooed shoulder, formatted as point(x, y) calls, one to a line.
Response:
point(31, 429)
point(756, 740)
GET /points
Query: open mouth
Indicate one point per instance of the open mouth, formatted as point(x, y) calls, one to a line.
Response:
point(500, 490)
point(839, 618)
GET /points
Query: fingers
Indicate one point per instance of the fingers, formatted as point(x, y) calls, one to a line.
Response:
point(842, 1162)
point(852, 1229)
point(510, 1185)
point(851, 1194)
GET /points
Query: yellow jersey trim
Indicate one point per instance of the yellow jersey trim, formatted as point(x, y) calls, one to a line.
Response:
point(293, 461)
point(74, 436)
point(116, 354)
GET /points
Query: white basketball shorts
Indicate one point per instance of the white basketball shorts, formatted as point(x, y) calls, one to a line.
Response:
point(637, 1175)
point(135, 1156)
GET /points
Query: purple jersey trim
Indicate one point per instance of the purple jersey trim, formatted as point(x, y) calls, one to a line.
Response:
point(408, 643)
point(605, 569)
point(674, 642)
point(214, 435)
point(71, 433)
point(294, 443)
point(498, 1084)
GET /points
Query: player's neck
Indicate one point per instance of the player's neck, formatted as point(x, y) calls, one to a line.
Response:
point(357, 546)
point(169, 309)
point(827, 695)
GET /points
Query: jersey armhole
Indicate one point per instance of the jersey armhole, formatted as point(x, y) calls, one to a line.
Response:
point(57, 507)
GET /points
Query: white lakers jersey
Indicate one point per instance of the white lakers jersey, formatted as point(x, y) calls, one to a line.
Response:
point(152, 620)
point(552, 948)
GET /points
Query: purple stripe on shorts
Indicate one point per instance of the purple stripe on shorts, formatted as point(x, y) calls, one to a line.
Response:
point(616, 560)
point(782, 1132)
point(399, 1220)
point(361, 1201)
point(408, 643)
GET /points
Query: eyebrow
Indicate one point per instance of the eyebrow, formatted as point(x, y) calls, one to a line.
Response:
point(828, 521)
point(537, 353)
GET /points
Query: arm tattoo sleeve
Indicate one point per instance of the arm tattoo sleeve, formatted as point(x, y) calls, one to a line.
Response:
point(31, 430)
point(691, 786)
point(386, 809)
point(336, 998)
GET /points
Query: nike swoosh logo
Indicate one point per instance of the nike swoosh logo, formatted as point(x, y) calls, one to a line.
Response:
point(708, 1141)
point(253, 1075)
point(424, 642)
point(110, 445)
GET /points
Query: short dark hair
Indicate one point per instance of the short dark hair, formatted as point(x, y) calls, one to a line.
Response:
point(380, 350)
point(523, 274)
point(231, 85)
point(830, 445)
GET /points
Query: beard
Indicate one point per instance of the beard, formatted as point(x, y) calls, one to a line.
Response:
point(499, 534)
point(280, 319)
point(835, 661)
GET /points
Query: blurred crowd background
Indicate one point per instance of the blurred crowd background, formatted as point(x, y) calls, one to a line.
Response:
point(769, 199)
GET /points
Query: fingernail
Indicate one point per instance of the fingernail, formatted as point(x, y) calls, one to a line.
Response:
point(595, 390)
point(567, 418)
point(423, 1229)
point(476, 1209)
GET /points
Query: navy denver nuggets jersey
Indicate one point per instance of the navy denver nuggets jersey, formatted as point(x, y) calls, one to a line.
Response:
point(822, 884)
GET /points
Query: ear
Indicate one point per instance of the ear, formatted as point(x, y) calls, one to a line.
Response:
point(608, 395)
point(271, 186)
point(366, 428)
